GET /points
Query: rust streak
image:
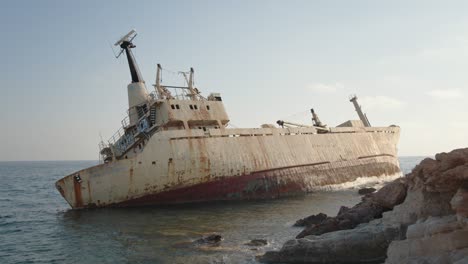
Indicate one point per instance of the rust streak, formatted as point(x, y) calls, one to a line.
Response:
point(78, 196)
point(89, 191)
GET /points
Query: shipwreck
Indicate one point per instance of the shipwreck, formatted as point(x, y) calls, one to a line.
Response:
point(175, 147)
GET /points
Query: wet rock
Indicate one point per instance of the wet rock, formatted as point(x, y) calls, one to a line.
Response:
point(311, 220)
point(211, 239)
point(347, 218)
point(366, 190)
point(343, 209)
point(257, 243)
point(365, 244)
point(370, 208)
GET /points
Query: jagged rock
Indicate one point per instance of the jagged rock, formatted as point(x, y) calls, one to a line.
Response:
point(311, 220)
point(444, 174)
point(346, 219)
point(343, 209)
point(364, 191)
point(434, 212)
point(257, 243)
point(391, 194)
point(370, 208)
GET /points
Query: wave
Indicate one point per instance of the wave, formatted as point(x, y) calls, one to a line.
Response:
point(361, 182)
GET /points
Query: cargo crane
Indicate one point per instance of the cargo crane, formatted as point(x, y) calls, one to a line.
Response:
point(317, 124)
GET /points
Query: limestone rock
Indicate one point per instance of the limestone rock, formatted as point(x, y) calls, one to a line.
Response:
point(365, 244)
point(446, 173)
point(428, 221)
point(434, 240)
point(459, 201)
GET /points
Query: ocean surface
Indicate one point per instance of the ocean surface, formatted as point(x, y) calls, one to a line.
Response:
point(37, 225)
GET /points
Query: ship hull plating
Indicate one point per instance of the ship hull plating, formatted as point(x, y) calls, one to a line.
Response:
point(234, 164)
point(271, 184)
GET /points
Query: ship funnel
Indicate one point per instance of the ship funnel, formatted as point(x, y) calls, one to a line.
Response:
point(137, 94)
point(362, 116)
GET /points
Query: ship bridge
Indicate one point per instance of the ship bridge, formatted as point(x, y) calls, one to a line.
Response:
point(166, 108)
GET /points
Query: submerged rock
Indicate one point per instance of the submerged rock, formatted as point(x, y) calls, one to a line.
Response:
point(257, 243)
point(424, 219)
point(212, 239)
point(366, 190)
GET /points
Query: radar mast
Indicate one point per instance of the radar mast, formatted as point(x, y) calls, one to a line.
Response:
point(125, 43)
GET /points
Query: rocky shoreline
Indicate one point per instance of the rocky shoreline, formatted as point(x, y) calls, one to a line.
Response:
point(419, 218)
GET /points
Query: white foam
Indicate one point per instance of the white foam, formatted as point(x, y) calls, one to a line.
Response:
point(361, 182)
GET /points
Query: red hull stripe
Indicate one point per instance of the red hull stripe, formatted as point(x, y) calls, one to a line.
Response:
point(264, 184)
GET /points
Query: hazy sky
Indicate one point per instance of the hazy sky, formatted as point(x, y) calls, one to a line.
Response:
point(406, 60)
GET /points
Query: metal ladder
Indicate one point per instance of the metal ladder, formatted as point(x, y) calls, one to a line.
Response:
point(153, 115)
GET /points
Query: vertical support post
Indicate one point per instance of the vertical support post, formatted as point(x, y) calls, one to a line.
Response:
point(157, 85)
point(193, 93)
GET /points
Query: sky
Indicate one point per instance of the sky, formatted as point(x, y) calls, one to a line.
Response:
point(62, 88)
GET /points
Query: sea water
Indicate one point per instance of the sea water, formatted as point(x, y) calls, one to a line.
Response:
point(37, 225)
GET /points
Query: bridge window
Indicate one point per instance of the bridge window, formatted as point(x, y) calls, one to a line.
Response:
point(191, 107)
point(172, 106)
point(177, 106)
point(207, 107)
point(195, 106)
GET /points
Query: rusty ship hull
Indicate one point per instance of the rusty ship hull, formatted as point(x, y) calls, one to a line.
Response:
point(234, 164)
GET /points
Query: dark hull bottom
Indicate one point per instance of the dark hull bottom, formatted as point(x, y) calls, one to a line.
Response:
point(271, 183)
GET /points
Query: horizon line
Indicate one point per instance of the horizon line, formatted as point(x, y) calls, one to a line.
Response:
point(98, 160)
